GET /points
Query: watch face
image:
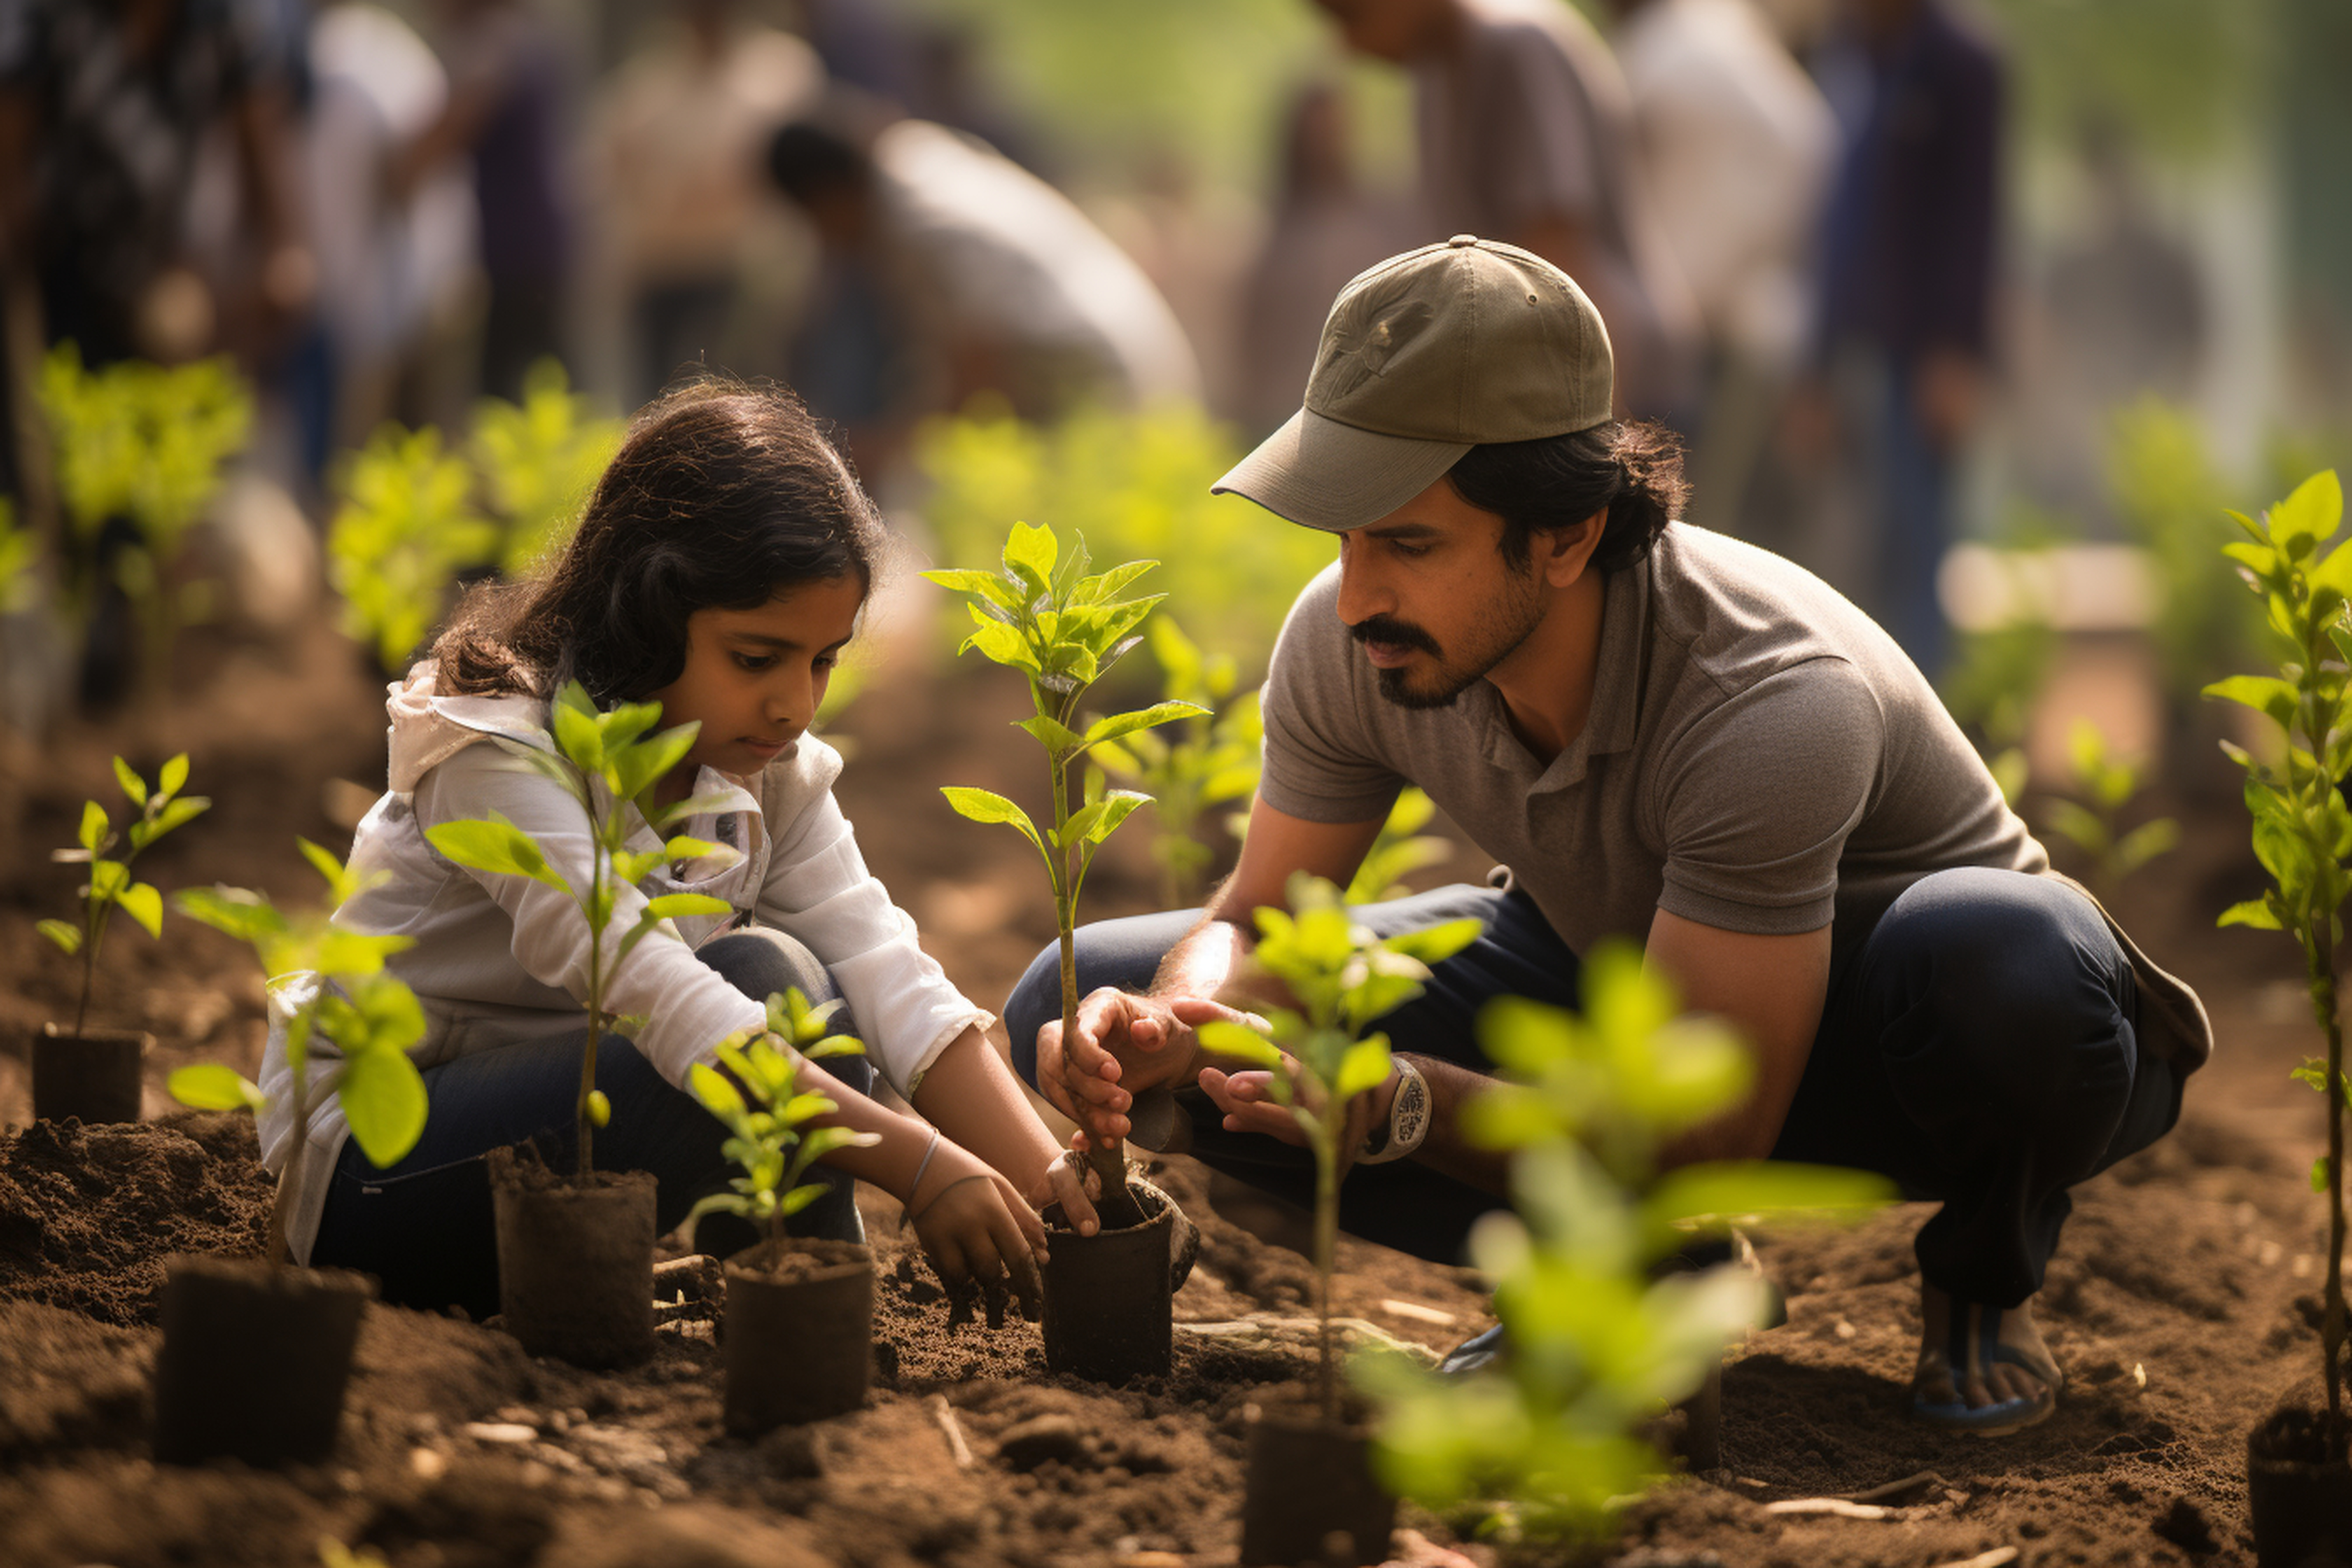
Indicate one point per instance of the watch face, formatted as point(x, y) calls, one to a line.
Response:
point(1408, 1119)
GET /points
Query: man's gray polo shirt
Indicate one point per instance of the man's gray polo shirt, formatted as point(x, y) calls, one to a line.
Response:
point(1760, 757)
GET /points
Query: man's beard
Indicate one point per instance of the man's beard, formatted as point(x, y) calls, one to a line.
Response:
point(1442, 685)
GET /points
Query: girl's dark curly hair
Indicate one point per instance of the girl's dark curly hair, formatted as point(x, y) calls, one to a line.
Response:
point(1632, 468)
point(722, 496)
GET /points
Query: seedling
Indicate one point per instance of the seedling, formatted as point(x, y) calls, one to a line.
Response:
point(1321, 1058)
point(110, 886)
point(537, 461)
point(146, 445)
point(760, 1099)
point(1398, 850)
point(1546, 1445)
point(1046, 617)
point(2108, 783)
point(608, 763)
point(332, 984)
point(1207, 760)
point(2301, 828)
point(404, 530)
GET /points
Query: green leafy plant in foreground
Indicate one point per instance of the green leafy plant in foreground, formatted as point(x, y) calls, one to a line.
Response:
point(406, 526)
point(1341, 978)
point(1398, 850)
point(2301, 828)
point(110, 886)
point(608, 763)
point(2092, 824)
point(760, 1099)
point(1045, 617)
point(1545, 1444)
point(330, 984)
point(1206, 760)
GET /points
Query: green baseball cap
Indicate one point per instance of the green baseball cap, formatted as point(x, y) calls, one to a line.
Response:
point(1424, 356)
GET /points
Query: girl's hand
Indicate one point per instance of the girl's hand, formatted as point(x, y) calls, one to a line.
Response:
point(1076, 1185)
point(977, 1230)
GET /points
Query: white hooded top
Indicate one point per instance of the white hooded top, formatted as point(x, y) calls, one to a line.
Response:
point(500, 960)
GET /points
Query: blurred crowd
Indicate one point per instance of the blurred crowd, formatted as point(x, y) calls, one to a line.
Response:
point(1788, 211)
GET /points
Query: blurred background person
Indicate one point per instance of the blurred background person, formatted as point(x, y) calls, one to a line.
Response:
point(679, 138)
point(1324, 228)
point(1525, 135)
point(1736, 146)
point(948, 271)
point(1903, 351)
point(393, 273)
point(509, 114)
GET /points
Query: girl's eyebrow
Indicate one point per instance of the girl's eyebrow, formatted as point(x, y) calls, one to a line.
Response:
point(762, 639)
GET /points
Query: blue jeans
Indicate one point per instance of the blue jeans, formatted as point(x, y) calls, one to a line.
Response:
point(1978, 1048)
point(424, 1226)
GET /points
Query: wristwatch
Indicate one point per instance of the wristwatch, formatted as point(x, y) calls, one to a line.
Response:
point(1408, 1121)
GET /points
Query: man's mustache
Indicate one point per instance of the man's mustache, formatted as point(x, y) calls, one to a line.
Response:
point(1393, 632)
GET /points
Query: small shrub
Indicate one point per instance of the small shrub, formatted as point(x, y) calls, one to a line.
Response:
point(111, 887)
point(537, 461)
point(405, 528)
point(760, 1099)
point(2094, 826)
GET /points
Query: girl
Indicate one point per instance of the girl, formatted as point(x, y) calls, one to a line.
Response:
point(719, 568)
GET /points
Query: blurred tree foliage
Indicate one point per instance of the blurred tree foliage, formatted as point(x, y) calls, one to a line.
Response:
point(1122, 83)
point(2177, 75)
point(1134, 487)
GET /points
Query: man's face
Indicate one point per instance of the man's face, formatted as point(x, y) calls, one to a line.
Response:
point(1430, 599)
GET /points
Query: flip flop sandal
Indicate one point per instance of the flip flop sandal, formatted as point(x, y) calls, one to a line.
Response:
point(1976, 1354)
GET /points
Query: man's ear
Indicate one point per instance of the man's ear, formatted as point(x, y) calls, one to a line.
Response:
point(1566, 550)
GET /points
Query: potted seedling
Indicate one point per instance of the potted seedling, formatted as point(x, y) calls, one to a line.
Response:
point(96, 1074)
point(1107, 1296)
point(1547, 1443)
point(2299, 1477)
point(576, 1255)
point(1308, 1476)
point(800, 1311)
point(256, 1355)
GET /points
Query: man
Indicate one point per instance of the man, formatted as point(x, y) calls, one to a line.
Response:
point(1671, 736)
point(1525, 132)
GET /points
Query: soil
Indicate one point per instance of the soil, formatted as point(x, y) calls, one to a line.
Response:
point(2183, 1301)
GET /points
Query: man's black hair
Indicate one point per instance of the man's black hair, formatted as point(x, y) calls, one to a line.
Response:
point(1632, 468)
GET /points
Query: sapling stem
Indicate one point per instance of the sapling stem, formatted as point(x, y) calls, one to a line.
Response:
point(1117, 1208)
point(1327, 1261)
point(94, 930)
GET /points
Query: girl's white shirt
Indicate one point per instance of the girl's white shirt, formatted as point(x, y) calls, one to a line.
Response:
point(501, 960)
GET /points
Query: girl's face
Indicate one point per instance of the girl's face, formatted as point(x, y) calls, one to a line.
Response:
point(754, 677)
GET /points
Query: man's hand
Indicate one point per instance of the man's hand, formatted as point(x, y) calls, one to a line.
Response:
point(1124, 1044)
point(1247, 1100)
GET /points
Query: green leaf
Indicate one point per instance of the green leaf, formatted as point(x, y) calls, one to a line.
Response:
point(981, 806)
point(1119, 724)
point(2254, 912)
point(143, 903)
point(1366, 1065)
point(718, 1094)
point(65, 936)
point(174, 775)
point(1029, 556)
point(577, 735)
point(600, 1108)
point(2312, 513)
point(1228, 1040)
point(2320, 1175)
point(1728, 1190)
point(2265, 694)
point(677, 906)
point(1051, 733)
point(209, 1086)
point(650, 761)
point(94, 824)
point(132, 785)
point(384, 1099)
point(1435, 944)
point(499, 848)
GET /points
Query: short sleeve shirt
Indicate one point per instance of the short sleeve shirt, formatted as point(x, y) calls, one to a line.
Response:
point(1760, 756)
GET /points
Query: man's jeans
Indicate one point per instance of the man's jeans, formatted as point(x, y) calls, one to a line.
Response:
point(1978, 1048)
point(424, 1226)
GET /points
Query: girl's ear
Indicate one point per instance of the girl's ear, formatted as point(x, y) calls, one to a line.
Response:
point(1570, 549)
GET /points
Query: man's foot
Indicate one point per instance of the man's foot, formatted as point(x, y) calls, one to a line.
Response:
point(1981, 1369)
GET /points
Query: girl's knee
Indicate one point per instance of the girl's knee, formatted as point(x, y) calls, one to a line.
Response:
point(761, 961)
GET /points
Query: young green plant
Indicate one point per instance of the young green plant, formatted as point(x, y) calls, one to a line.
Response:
point(405, 528)
point(1341, 978)
point(1044, 616)
point(760, 1099)
point(609, 764)
point(2093, 825)
point(1544, 1444)
point(1204, 761)
point(331, 984)
point(2301, 828)
point(110, 886)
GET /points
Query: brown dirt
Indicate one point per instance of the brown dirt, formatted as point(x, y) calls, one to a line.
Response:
point(2182, 1301)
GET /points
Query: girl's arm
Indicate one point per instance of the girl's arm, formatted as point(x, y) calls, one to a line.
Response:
point(971, 1096)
